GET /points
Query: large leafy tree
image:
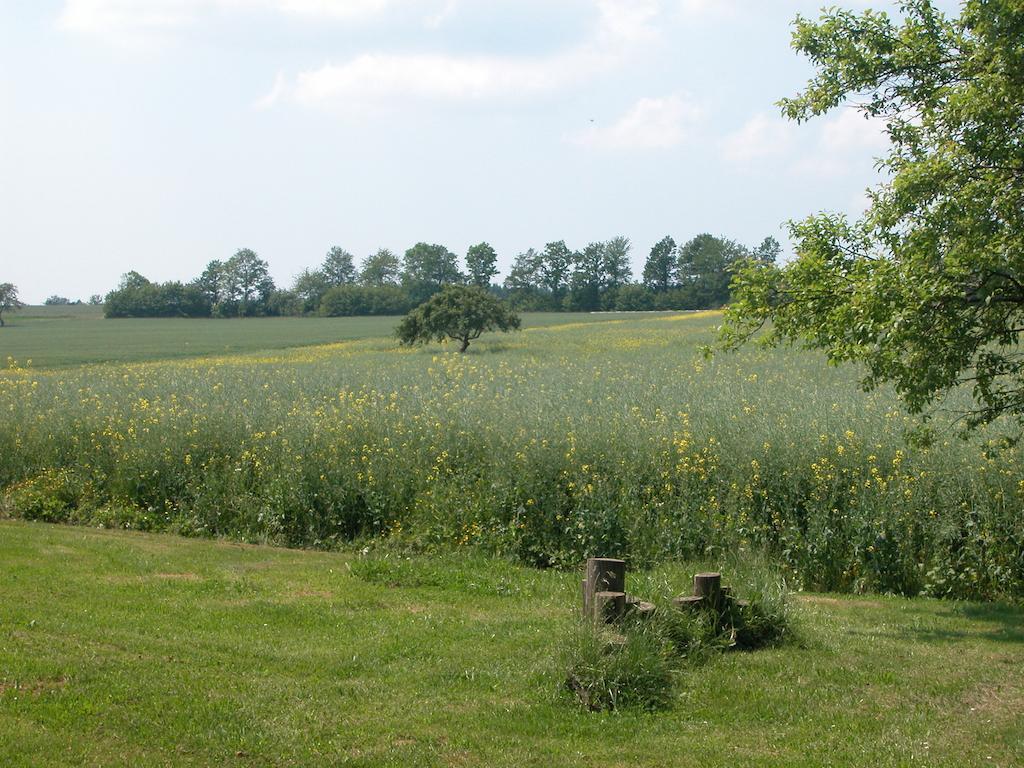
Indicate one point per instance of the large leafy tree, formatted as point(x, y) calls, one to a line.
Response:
point(481, 264)
point(704, 268)
point(588, 278)
point(459, 312)
point(660, 267)
point(927, 289)
point(380, 268)
point(427, 268)
point(555, 269)
point(616, 267)
point(246, 282)
point(339, 267)
point(8, 300)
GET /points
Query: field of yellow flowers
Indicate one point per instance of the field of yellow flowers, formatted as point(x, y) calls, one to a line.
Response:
point(549, 445)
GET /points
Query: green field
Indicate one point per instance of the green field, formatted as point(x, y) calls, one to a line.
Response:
point(55, 336)
point(546, 446)
point(134, 649)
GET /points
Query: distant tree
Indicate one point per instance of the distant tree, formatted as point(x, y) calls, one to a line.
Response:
point(57, 301)
point(338, 268)
point(136, 296)
point(704, 269)
point(310, 286)
point(555, 269)
point(95, 300)
point(617, 269)
point(380, 268)
point(211, 283)
point(8, 300)
point(459, 312)
point(768, 251)
point(588, 278)
point(481, 264)
point(525, 282)
point(634, 297)
point(133, 279)
point(427, 268)
point(659, 270)
point(354, 300)
point(247, 283)
point(282, 303)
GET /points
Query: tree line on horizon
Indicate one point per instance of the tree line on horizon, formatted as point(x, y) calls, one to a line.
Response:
point(693, 275)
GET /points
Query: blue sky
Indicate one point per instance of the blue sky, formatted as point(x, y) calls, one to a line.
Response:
point(157, 135)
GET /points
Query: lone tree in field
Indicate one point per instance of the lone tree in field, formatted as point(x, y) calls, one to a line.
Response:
point(8, 300)
point(459, 312)
point(927, 289)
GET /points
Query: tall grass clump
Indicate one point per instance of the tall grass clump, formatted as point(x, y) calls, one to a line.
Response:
point(638, 661)
point(613, 439)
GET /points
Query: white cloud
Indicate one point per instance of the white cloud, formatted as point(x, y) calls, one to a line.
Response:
point(621, 26)
point(825, 147)
point(692, 9)
point(435, 20)
point(648, 124)
point(850, 130)
point(762, 136)
point(276, 92)
point(112, 18)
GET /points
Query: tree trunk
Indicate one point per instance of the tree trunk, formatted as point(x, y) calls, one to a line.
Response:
point(465, 345)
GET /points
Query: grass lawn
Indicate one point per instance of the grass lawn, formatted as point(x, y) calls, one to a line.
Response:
point(134, 649)
point(55, 336)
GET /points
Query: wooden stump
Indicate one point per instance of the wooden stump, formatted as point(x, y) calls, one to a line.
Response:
point(688, 602)
point(708, 586)
point(609, 606)
point(604, 574)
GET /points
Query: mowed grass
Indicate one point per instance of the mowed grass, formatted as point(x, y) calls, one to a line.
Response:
point(54, 336)
point(136, 649)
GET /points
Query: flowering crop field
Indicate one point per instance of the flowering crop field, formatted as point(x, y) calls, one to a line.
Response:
point(559, 442)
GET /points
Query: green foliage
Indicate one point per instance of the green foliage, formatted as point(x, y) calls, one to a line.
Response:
point(338, 267)
point(607, 670)
point(427, 268)
point(481, 263)
point(637, 662)
point(460, 313)
point(660, 267)
point(8, 300)
point(380, 268)
point(138, 297)
point(926, 290)
point(364, 300)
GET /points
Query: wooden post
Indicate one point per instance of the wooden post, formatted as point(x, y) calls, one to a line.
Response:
point(604, 574)
point(609, 606)
point(709, 587)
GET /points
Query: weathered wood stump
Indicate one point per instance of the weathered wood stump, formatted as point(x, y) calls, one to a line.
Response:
point(603, 574)
point(709, 587)
point(609, 606)
point(688, 602)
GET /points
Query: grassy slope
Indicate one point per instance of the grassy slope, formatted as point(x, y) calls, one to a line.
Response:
point(131, 649)
point(59, 336)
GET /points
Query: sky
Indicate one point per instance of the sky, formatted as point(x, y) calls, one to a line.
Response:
point(157, 135)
